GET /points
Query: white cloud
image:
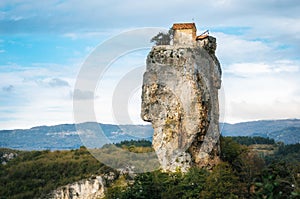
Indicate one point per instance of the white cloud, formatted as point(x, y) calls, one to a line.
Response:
point(91, 34)
point(71, 35)
point(250, 69)
point(83, 95)
point(241, 111)
point(57, 82)
point(36, 96)
point(8, 88)
point(235, 49)
point(262, 91)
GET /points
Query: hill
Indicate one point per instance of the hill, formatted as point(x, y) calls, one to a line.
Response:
point(34, 174)
point(287, 131)
point(67, 136)
point(289, 135)
point(242, 174)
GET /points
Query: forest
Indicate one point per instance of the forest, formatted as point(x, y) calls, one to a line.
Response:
point(243, 173)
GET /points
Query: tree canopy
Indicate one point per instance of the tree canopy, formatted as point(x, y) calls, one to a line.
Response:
point(163, 38)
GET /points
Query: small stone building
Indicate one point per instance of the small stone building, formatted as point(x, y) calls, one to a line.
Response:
point(184, 33)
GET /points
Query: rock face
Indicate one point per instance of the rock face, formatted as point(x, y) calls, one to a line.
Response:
point(92, 188)
point(6, 157)
point(180, 99)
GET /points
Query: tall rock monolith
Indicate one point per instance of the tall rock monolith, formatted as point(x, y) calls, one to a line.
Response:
point(180, 99)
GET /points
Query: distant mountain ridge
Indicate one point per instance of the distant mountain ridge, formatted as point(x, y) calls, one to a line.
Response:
point(287, 131)
point(67, 136)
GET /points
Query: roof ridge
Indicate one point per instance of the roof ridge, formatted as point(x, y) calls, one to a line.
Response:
point(178, 26)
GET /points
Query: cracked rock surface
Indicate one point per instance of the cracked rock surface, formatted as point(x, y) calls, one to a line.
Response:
point(180, 99)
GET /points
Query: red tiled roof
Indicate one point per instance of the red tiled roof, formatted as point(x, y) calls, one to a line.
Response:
point(200, 37)
point(180, 26)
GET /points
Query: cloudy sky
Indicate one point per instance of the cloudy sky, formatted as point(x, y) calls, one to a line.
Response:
point(43, 45)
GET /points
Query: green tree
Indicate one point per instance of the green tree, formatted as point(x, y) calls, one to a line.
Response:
point(248, 166)
point(221, 183)
point(277, 182)
point(163, 38)
point(36, 173)
point(192, 183)
point(230, 150)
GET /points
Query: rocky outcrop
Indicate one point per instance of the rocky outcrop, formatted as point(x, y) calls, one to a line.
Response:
point(5, 157)
point(92, 188)
point(180, 99)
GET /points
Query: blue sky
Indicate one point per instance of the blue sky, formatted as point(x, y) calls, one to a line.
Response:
point(43, 45)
